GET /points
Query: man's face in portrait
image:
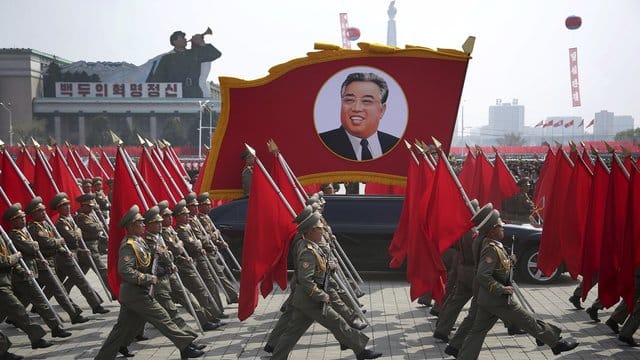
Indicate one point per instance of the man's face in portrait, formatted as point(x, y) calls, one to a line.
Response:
point(361, 108)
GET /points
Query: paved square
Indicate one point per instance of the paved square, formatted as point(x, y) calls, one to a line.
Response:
point(400, 330)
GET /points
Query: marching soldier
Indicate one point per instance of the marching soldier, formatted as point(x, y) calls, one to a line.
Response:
point(213, 242)
point(193, 246)
point(101, 198)
point(10, 306)
point(309, 300)
point(247, 171)
point(93, 234)
point(137, 307)
point(42, 232)
point(87, 186)
point(65, 261)
point(162, 290)
point(24, 287)
point(205, 307)
point(519, 207)
point(494, 295)
point(188, 229)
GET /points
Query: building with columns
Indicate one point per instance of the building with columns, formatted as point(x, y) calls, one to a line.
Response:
point(85, 120)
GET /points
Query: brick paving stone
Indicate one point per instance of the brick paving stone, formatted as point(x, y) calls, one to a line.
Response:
point(400, 329)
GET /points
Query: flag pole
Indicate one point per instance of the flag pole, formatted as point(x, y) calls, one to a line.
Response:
point(273, 148)
point(270, 179)
point(444, 158)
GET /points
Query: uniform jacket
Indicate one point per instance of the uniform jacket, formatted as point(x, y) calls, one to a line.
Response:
point(493, 274)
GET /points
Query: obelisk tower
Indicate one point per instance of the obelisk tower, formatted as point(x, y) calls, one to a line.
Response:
point(391, 25)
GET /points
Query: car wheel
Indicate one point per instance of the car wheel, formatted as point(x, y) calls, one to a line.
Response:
point(528, 268)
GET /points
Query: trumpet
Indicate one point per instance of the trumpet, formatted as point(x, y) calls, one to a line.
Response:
point(206, 32)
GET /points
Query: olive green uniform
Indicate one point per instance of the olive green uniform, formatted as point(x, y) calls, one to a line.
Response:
point(10, 305)
point(517, 208)
point(190, 280)
point(137, 307)
point(50, 246)
point(247, 174)
point(193, 245)
point(93, 234)
point(211, 244)
point(493, 304)
point(23, 286)
point(307, 305)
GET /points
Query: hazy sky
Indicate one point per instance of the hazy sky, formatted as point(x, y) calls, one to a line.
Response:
point(521, 46)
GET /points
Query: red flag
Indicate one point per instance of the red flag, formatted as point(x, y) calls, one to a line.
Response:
point(630, 247)
point(174, 158)
point(576, 210)
point(569, 123)
point(503, 184)
point(611, 252)
point(558, 123)
point(96, 169)
point(593, 233)
point(64, 178)
point(268, 223)
point(174, 172)
point(81, 165)
point(482, 179)
point(154, 179)
point(587, 160)
point(448, 216)
point(43, 184)
point(548, 123)
point(549, 257)
point(412, 76)
point(279, 271)
point(106, 163)
point(12, 180)
point(467, 172)
point(540, 123)
point(124, 186)
point(26, 163)
point(544, 185)
point(590, 124)
point(73, 166)
point(398, 246)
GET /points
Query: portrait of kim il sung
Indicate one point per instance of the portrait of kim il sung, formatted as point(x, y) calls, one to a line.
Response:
point(372, 113)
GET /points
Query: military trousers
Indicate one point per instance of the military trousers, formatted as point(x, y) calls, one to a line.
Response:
point(12, 308)
point(48, 279)
point(513, 314)
point(229, 285)
point(578, 292)
point(281, 324)
point(303, 318)
point(462, 293)
point(5, 344)
point(202, 264)
point(192, 282)
point(85, 264)
point(465, 326)
point(27, 292)
point(134, 312)
point(183, 297)
point(162, 294)
point(68, 272)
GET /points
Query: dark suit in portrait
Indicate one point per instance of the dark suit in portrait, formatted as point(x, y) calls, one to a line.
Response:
point(338, 141)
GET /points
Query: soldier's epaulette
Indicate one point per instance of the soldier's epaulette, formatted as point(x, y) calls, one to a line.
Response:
point(131, 240)
point(182, 226)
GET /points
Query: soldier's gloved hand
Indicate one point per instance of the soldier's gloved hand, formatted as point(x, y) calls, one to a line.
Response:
point(60, 241)
point(203, 251)
point(332, 265)
point(154, 279)
point(223, 244)
point(513, 258)
point(174, 268)
point(508, 290)
point(325, 298)
point(179, 244)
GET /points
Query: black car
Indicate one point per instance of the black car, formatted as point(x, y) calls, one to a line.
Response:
point(364, 226)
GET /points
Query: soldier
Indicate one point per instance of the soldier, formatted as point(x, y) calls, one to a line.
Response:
point(519, 207)
point(10, 305)
point(494, 295)
point(194, 239)
point(462, 289)
point(205, 307)
point(212, 243)
point(136, 306)
point(43, 233)
point(87, 186)
point(308, 299)
point(65, 262)
point(247, 171)
point(23, 285)
point(593, 309)
point(101, 198)
point(193, 246)
point(162, 290)
point(93, 234)
point(5, 344)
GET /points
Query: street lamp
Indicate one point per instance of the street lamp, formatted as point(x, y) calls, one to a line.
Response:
point(7, 107)
point(201, 104)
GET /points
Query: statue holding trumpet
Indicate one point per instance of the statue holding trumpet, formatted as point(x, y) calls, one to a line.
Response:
point(187, 66)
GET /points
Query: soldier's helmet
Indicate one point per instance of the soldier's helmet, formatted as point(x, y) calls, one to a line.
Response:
point(34, 205)
point(59, 200)
point(131, 216)
point(152, 215)
point(13, 212)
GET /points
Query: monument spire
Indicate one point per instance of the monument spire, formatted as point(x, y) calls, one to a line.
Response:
point(391, 24)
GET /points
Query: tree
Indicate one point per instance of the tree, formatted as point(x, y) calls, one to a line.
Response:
point(511, 139)
point(628, 135)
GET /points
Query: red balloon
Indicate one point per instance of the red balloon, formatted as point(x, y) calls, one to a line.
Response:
point(573, 22)
point(353, 34)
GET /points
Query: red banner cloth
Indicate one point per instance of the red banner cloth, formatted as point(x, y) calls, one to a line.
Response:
point(268, 222)
point(544, 185)
point(482, 180)
point(503, 184)
point(26, 164)
point(303, 98)
point(155, 179)
point(466, 173)
point(398, 247)
point(593, 233)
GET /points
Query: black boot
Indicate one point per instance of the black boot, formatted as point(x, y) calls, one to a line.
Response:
point(190, 352)
point(514, 330)
point(593, 314)
point(125, 352)
point(441, 336)
point(575, 300)
point(40, 344)
point(197, 346)
point(59, 332)
point(12, 356)
point(613, 325)
point(450, 350)
point(268, 348)
point(628, 340)
point(564, 345)
point(368, 354)
point(79, 319)
point(100, 310)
